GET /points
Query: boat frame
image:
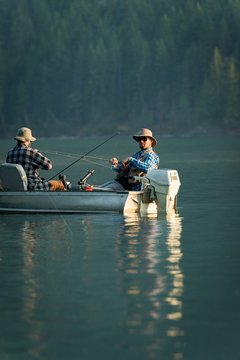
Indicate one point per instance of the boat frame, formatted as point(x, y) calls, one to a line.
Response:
point(159, 195)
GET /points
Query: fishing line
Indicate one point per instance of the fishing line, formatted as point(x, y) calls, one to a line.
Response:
point(71, 155)
point(95, 163)
point(74, 162)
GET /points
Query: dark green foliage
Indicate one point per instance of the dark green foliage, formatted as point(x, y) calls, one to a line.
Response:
point(93, 66)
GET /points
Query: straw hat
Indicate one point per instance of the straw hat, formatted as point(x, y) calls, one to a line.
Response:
point(24, 134)
point(145, 132)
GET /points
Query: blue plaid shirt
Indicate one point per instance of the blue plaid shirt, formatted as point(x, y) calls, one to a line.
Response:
point(149, 162)
point(31, 160)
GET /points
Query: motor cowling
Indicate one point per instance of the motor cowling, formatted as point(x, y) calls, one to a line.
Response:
point(166, 183)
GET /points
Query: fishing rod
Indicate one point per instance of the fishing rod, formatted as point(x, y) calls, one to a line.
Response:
point(74, 162)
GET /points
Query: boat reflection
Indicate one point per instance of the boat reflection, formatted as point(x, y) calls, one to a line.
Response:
point(60, 256)
point(35, 249)
point(149, 257)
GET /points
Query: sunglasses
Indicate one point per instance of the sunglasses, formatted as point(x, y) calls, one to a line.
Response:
point(142, 138)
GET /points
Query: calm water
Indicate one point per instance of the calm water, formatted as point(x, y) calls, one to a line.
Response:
point(109, 287)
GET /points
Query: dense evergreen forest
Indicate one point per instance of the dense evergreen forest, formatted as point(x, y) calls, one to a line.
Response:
point(76, 67)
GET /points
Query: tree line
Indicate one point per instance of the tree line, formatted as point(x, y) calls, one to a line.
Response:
point(81, 67)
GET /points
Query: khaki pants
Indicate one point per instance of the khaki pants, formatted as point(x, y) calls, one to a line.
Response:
point(56, 185)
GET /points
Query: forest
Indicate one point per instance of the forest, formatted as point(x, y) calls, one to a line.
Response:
point(87, 67)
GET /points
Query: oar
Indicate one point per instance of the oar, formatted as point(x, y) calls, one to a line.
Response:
point(74, 162)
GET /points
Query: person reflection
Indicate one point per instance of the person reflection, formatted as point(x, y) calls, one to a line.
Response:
point(149, 253)
point(37, 252)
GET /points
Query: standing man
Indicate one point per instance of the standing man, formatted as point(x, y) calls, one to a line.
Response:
point(32, 160)
point(138, 165)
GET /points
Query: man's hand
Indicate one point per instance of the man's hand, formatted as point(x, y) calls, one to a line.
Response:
point(113, 161)
point(125, 162)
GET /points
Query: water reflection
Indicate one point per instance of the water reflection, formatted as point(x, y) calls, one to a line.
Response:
point(149, 258)
point(37, 245)
point(28, 238)
point(174, 269)
point(128, 268)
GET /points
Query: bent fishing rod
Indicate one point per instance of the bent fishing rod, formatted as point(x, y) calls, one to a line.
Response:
point(90, 151)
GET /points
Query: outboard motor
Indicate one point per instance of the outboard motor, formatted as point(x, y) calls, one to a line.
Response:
point(166, 183)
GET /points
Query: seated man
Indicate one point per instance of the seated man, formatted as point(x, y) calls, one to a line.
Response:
point(137, 165)
point(32, 160)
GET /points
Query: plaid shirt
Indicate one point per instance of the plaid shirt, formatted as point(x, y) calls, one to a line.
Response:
point(143, 160)
point(31, 160)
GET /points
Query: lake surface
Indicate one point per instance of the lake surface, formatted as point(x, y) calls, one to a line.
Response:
point(93, 287)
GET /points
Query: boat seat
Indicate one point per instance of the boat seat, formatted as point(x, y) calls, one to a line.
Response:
point(13, 177)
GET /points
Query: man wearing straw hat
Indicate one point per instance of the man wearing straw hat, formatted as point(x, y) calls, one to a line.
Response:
point(32, 160)
point(138, 165)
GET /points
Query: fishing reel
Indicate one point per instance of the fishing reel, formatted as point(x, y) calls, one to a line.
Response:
point(63, 179)
point(82, 185)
